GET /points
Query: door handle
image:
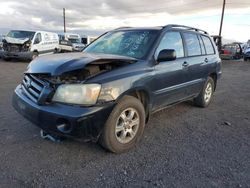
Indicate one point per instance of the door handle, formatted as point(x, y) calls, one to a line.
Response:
point(185, 64)
point(206, 60)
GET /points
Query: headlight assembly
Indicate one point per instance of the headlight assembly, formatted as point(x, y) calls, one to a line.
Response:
point(108, 94)
point(82, 94)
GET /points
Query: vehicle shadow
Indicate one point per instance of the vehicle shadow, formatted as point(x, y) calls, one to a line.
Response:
point(14, 61)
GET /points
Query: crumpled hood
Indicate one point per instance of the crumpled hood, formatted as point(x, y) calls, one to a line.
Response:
point(58, 64)
point(15, 40)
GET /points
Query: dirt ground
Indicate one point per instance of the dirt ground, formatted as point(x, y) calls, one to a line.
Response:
point(183, 146)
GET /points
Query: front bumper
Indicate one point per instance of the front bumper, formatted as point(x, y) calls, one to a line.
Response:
point(17, 55)
point(84, 123)
point(247, 55)
point(78, 49)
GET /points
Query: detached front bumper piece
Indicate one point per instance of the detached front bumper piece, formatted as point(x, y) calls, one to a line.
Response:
point(84, 123)
point(18, 55)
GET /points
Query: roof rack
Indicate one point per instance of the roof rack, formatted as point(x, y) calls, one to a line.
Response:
point(185, 27)
point(122, 28)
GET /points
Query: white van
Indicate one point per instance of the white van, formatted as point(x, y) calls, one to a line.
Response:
point(88, 39)
point(69, 42)
point(29, 44)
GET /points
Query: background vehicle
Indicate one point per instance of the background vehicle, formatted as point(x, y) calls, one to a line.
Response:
point(1, 46)
point(218, 41)
point(246, 51)
point(1, 42)
point(108, 92)
point(231, 51)
point(70, 42)
point(29, 44)
point(87, 39)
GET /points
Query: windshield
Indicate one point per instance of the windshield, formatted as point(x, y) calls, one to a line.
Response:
point(126, 43)
point(21, 34)
point(74, 40)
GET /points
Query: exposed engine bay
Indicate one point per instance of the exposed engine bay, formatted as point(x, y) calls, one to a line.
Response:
point(78, 76)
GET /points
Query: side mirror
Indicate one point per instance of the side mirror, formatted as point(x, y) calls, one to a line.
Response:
point(166, 55)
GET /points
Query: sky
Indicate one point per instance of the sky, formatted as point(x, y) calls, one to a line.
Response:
point(93, 17)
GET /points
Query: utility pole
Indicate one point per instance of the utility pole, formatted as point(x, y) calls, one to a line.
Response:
point(64, 22)
point(222, 16)
point(219, 42)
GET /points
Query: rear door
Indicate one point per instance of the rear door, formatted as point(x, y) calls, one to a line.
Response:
point(197, 62)
point(170, 76)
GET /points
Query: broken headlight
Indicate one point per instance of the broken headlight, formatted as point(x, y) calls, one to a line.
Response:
point(82, 94)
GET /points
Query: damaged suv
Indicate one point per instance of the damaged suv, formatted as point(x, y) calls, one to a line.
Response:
point(108, 92)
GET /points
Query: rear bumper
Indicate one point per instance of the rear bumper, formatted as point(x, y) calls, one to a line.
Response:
point(84, 123)
point(18, 55)
point(226, 56)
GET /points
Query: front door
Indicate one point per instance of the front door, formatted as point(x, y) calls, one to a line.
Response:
point(37, 43)
point(170, 76)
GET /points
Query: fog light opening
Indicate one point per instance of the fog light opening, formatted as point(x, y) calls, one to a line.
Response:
point(64, 126)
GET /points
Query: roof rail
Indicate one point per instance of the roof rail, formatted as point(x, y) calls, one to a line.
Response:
point(122, 28)
point(185, 27)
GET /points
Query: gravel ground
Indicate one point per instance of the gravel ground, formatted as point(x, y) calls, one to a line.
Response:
point(183, 146)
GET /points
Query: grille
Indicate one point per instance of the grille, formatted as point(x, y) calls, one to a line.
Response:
point(32, 87)
point(14, 49)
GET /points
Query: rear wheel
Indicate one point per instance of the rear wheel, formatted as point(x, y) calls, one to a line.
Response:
point(124, 126)
point(205, 96)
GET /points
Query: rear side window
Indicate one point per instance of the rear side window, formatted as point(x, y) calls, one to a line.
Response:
point(203, 51)
point(172, 40)
point(208, 45)
point(193, 45)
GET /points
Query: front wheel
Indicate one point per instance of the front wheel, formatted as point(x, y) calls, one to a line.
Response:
point(205, 96)
point(6, 58)
point(124, 126)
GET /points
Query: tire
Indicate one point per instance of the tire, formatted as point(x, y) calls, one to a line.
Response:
point(119, 138)
point(206, 94)
point(6, 58)
point(56, 51)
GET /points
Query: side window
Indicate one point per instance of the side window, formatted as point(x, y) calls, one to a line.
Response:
point(208, 45)
point(38, 38)
point(193, 45)
point(171, 40)
point(203, 51)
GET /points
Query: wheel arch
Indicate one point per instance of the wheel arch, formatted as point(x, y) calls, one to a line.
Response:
point(141, 94)
point(214, 76)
